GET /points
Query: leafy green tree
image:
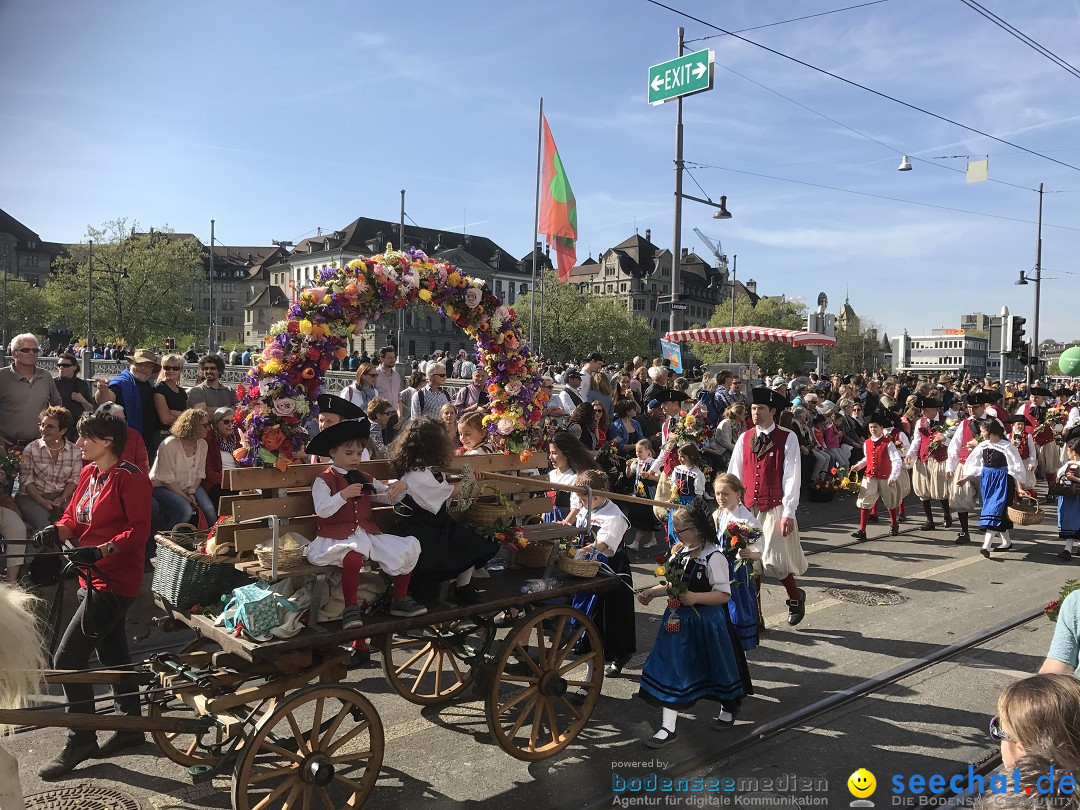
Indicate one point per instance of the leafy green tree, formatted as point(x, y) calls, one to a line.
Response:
point(770, 311)
point(26, 310)
point(857, 348)
point(575, 323)
point(144, 285)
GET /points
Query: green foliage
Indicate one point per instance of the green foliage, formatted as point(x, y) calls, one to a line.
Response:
point(856, 348)
point(26, 310)
point(164, 276)
point(575, 323)
point(772, 312)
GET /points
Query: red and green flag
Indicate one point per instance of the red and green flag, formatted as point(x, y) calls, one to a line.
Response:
point(558, 208)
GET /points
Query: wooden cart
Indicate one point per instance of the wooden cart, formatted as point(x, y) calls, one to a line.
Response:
point(280, 714)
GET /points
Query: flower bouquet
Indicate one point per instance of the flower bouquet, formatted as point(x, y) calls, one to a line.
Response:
point(827, 484)
point(1051, 610)
point(1045, 433)
point(10, 462)
point(672, 573)
point(739, 534)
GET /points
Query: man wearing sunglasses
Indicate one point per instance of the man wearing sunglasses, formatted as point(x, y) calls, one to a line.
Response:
point(428, 401)
point(25, 392)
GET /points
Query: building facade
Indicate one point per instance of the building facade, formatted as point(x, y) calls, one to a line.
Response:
point(945, 351)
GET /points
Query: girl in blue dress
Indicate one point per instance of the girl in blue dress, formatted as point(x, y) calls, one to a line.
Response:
point(743, 605)
point(687, 480)
point(697, 662)
point(1069, 505)
point(998, 464)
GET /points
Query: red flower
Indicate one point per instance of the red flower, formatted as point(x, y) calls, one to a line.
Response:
point(832, 471)
point(660, 558)
point(293, 327)
point(536, 416)
point(313, 353)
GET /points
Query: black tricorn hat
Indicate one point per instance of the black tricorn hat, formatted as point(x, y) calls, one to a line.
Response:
point(928, 402)
point(881, 417)
point(767, 396)
point(979, 398)
point(336, 435)
point(331, 403)
point(672, 395)
point(1039, 391)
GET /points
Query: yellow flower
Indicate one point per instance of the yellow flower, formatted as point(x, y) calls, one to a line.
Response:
point(305, 327)
point(660, 571)
point(425, 295)
point(450, 312)
point(453, 279)
point(272, 367)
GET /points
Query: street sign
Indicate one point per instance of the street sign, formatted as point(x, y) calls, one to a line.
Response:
point(689, 74)
point(679, 307)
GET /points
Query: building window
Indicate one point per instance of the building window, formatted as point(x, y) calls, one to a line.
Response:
point(412, 348)
point(427, 325)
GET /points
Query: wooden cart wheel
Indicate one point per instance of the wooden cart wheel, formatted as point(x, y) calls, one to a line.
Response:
point(184, 748)
point(321, 749)
point(428, 665)
point(528, 709)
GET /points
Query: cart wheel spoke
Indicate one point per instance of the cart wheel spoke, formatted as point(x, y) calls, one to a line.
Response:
point(328, 803)
point(454, 664)
point(424, 670)
point(571, 707)
point(262, 776)
point(412, 660)
point(516, 699)
point(568, 647)
point(541, 645)
point(355, 757)
point(553, 721)
point(534, 730)
point(352, 735)
point(316, 726)
point(525, 712)
point(570, 666)
point(524, 655)
point(269, 798)
point(334, 726)
point(307, 798)
point(283, 752)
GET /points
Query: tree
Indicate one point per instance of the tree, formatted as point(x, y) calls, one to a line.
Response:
point(26, 310)
point(771, 311)
point(575, 323)
point(144, 284)
point(856, 349)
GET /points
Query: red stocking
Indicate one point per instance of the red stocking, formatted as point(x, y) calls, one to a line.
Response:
point(790, 586)
point(401, 585)
point(864, 516)
point(350, 576)
point(892, 517)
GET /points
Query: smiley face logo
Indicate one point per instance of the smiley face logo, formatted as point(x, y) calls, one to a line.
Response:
point(862, 784)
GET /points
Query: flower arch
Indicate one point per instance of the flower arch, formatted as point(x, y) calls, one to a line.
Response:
point(283, 385)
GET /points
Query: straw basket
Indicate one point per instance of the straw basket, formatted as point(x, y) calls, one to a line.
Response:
point(286, 557)
point(184, 577)
point(577, 568)
point(1026, 512)
point(487, 510)
point(534, 555)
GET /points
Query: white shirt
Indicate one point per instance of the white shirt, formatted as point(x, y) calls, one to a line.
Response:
point(327, 505)
point(916, 439)
point(722, 517)
point(792, 479)
point(567, 403)
point(428, 492)
point(974, 464)
point(1074, 417)
point(468, 367)
point(692, 473)
point(905, 442)
point(609, 522)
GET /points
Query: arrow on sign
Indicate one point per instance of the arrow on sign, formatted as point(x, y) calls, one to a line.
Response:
point(657, 83)
point(699, 70)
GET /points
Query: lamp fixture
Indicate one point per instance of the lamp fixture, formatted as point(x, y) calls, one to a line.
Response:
point(723, 213)
point(1022, 281)
point(905, 165)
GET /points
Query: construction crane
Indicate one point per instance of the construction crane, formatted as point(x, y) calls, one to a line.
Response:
point(721, 257)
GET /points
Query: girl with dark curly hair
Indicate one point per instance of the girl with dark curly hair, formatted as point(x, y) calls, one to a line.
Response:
point(569, 458)
point(448, 549)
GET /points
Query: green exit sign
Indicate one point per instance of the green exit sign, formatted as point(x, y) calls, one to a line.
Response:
point(689, 74)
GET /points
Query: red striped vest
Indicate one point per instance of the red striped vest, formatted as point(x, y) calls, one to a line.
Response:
point(878, 464)
point(764, 478)
point(356, 513)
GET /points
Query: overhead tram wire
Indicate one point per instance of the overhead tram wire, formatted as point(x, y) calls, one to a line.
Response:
point(853, 83)
point(863, 134)
point(692, 164)
point(793, 19)
point(1009, 28)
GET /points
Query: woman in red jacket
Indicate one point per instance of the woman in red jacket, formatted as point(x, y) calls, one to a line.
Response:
point(107, 521)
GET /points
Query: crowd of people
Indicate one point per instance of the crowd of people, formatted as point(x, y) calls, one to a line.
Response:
point(105, 466)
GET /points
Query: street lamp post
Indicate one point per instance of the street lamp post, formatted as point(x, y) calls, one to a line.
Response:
point(88, 352)
point(1001, 345)
point(731, 346)
point(1033, 358)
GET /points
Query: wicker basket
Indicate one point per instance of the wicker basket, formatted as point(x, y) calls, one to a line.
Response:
point(577, 568)
point(286, 557)
point(1026, 512)
point(185, 578)
point(535, 555)
point(487, 510)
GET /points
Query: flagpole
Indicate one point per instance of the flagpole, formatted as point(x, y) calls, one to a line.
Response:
point(536, 227)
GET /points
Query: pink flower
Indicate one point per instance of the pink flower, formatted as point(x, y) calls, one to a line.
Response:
point(286, 406)
point(319, 293)
point(513, 388)
point(505, 426)
point(473, 297)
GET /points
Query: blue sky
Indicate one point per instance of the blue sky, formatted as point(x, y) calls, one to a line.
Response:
point(275, 118)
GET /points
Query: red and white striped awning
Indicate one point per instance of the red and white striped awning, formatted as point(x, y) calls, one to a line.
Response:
point(746, 334)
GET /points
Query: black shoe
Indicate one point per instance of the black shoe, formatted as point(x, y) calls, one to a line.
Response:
point(360, 659)
point(796, 608)
point(121, 741)
point(963, 537)
point(1050, 499)
point(948, 523)
point(985, 552)
point(68, 759)
point(859, 535)
point(1064, 555)
point(661, 738)
point(466, 594)
point(929, 526)
point(894, 530)
point(872, 518)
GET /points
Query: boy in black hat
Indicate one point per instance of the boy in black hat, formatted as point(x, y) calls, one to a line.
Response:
point(928, 464)
point(768, 462)
point(883, 465)
point(671, 401)
point(1034, 411)
point(964, 498)
point(346, 535)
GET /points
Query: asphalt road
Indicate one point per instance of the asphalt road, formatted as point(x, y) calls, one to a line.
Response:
point(932, 593)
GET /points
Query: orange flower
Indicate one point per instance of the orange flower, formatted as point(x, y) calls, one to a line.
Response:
point(273, 438)
point(282, 464)
point(308, 373)
point(341, 353)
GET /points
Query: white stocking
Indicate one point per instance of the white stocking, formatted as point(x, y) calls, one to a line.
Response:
point(669, 718)
point(1006, 541)
point(989, 539)
point(1068, 544)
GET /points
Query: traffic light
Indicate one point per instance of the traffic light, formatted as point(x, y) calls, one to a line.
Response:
point(1018, 335)
point(1022, 354)
point(170, 345)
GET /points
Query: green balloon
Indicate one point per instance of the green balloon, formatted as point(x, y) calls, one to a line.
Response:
point(1069, 362)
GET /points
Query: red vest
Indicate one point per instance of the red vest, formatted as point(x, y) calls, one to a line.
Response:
point(356, 513)
point(878, 463)
point(966, 435)
point(928, 435)
point(764, 478)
